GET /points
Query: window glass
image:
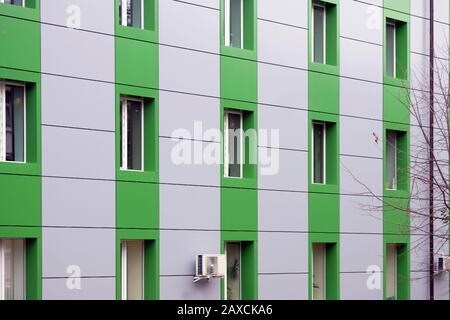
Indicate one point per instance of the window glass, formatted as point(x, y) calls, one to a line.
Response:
point(135, 270)
point(233, 252)
point(319, 152)
point(234, 136)
point(319, 269)
point(236, 23)
point(319, 33)
point(12, 269)
point(14, 2)
point(131, 134)
point(391, 159)
point(390, 49)
point(12, 114)
point(130, 13)
point(391, 271)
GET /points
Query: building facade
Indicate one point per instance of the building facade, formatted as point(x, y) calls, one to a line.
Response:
point(137, 134)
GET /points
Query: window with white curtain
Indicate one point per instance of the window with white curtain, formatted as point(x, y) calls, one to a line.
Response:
point(12, 269)
point(391, 31)
point(132, 272)
point(318, 154)
point(391, 159)
point(391, 271)
point(319, 271)
point(12, 122)
point(131, 13)
point(233, 279)
point(234, 23)
point(132, 133)
point(233, 144)
point(319, 32)
point(14, 2)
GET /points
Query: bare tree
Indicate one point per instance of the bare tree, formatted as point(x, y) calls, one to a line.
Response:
point(427, 204)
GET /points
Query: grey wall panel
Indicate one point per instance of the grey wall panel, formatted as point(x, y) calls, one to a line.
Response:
point(282, 211)
point(441, 286)
point(188, 172)
point(361, 251)
point(292, 12)
point(441, 11)
point(360, 98)
point(214, 4)
point(78, 103)
point(94, 15)
point(183, 288)
point(62, 54)
point(282, 86)
point(362, 21)
point(93, 250)
point(282, 44)
point(75, 202)
point(419, 76)
point(420, 8)
point(420, 28)
point(78, 153)
point(361, 214)
point(91, 289)
point(189, 71)
point(361, 137)
point(189, 207)
point(420, 283)
point(292, 171)
point(354, 287)
point(289, 123)
point(282, 252)
point(283, 287)
point(178, 249)
point(354, 57)
point(183, 111)
point(361, 176)
point(189, 30)
point(441, 40)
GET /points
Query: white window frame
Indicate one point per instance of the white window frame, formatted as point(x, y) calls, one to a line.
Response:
point(240, 269)
point(227, 27)
point(324, 125)
point(226, 142)
point(124, 127)
point(3, 85)
point(394, 58)
point(324, 246)
point(324, 32)
point(395, 184)
point(23, 6)
point(124, 14)
point(124, 268)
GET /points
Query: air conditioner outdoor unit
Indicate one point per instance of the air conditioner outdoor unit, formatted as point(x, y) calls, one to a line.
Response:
point(444, 264)
point(209, 266)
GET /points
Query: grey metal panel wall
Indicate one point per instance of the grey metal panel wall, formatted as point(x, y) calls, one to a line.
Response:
point(78, 149)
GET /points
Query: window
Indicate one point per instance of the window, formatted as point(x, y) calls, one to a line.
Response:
point(391, 159)
point(131, 13)
point(12, 122)
point(396, 49)
point(319, 271)
point(233, 144)
point(391, 271)
point(132, 137)
point(234, 18)
point(12, 269)
point(14, 2)
point(319, 151)
point(233, 276)
point(132, 261)
point(390, 48)
point(319, 33)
